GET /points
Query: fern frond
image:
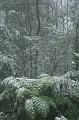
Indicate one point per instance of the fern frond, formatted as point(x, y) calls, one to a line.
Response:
point(30, 110)
point(37, 107)
point(41, 106)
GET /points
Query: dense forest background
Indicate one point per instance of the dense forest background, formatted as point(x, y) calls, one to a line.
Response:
point(39, 59)
point(39, 36)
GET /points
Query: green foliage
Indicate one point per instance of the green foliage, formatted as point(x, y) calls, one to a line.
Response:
point(8, 93)
point(6, 66)
point(63, 103)
point(37, 106)
point(39, 98)
point(73, 114)
point(7, 100)
point(47, 89)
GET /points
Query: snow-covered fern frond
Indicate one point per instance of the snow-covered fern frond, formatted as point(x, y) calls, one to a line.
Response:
point(41, 106)
point(37, 106)
point(29, 108)
point(20, 82)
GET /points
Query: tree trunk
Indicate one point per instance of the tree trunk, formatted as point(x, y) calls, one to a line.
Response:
point(38, 17)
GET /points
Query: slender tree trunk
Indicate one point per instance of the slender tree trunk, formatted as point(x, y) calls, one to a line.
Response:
point(38, 31)
point(67, 13)
point(77, 46)
point(54, 63)
point(38, 17)
point(63, 24)
point(61, 3)
point(29, 20)
point(56, 14)
point(30, 60)
point(36, 64)
point(29, 28)
point(6, 18)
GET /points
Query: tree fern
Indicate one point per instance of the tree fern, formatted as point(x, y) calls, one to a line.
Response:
point(37, 95)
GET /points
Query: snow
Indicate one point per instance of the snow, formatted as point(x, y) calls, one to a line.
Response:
point(76, 54)
point(60, 118)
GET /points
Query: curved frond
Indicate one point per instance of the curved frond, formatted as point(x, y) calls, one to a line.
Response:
point(41, 106)
point(29, 108)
